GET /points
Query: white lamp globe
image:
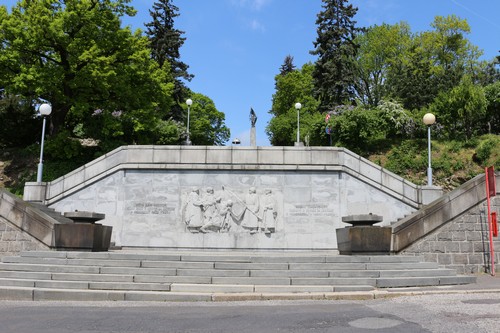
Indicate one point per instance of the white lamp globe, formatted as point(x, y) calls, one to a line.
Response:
point(45, 109)
point(429, 119)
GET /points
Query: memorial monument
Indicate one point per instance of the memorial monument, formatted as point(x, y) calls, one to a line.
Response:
point(236, 197)
point(253, 136)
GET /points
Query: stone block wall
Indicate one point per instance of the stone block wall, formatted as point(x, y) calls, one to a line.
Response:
point(13, 241)
point(463, 243)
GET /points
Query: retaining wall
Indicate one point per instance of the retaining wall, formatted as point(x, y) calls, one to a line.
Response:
point(453, 230)
point(150, 194)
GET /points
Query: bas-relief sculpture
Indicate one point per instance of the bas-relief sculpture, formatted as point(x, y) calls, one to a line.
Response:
point(299, 210)
point(226, 212)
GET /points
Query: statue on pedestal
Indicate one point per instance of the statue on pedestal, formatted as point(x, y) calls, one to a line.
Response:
point(253, 120)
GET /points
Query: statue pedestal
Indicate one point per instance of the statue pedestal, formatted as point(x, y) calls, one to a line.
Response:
point(253, 137)
point(363, 237)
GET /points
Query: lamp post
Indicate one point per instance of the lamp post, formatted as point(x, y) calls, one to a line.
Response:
point(429, 119)
point(298, 106)
point(189, 102)
point(45, 110)
point(236, 141)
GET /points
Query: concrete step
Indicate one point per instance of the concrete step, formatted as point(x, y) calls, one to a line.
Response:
point(421, 281)
point(184, 275)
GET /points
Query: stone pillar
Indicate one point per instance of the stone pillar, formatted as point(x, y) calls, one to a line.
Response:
point(34, 192)
point(430, 193)
point(253, 137)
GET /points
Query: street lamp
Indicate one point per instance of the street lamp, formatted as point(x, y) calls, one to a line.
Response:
point(429, 119)
point(45, 110)
point(189, 102)
point(236, 141)
point(298, 106)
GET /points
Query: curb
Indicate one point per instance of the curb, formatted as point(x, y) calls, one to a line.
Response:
point(37, 294)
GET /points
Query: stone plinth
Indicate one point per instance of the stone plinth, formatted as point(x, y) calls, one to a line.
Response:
point(363, 237)
point(362, 219)
point(84, 217)
point(84, 234)
point(82, 237)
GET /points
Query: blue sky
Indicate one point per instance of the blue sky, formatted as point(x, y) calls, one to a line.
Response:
point(235, 47)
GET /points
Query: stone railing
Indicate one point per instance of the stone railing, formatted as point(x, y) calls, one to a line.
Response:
point(264, 159)
point(440, 212)
point(27, 218)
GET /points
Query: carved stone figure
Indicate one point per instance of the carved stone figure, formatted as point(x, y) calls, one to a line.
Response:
point(251, 218)
point(216, 212)
point(193, 210)
point(269, 212)
point(209, 204)
point(253, 117)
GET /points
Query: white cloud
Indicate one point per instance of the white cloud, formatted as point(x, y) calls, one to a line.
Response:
point(257, 26)
point(258, 4)
point(252, 4)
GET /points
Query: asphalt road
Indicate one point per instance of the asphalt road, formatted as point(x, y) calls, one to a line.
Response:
point(428, 313)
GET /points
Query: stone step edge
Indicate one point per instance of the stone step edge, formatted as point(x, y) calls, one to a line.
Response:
point(385, 283)
point(180, 287)
point(204, 256)
point(35, 294)
point(131, 277)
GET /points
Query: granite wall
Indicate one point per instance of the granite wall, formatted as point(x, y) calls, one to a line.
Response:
point(463, 243)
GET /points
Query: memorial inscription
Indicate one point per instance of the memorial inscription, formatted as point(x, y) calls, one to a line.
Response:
point(314, 210)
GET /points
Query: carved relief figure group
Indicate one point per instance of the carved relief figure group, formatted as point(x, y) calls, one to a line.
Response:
point(227, 212)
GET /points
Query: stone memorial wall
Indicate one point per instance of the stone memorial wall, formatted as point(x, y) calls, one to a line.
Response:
point(228, 197)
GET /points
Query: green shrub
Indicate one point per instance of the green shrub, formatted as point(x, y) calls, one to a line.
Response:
point(485, 148)
point(410, 155)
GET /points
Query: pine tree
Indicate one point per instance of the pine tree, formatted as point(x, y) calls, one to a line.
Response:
point(287, 66)
point(165, 44)
point(334, 74)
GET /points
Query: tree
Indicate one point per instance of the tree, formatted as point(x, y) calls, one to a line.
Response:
point(461, 109)
point(334, 74)
point(287, 66)
point(380, 48)
point(434, 62)
point(207, 125)
point(19, 124)
point(357, 128)
point(75, 55)
point(296, 86)
point(492, 116)
point(488, 72)
point(165, 44)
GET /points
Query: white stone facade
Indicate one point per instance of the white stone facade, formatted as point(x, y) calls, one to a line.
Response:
point(144, 193)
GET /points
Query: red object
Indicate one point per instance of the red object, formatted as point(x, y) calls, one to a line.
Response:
point(494, 224)
point(490, 178)
point(490, 183)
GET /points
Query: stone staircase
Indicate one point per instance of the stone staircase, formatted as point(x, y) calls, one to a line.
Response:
point(209, 275)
